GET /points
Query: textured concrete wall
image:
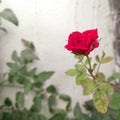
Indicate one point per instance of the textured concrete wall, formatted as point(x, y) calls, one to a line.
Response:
point(115, 16)
point(47, 23)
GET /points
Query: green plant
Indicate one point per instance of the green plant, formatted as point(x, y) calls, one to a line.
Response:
point(8, 15)
point(87, 69)
point(44, 100)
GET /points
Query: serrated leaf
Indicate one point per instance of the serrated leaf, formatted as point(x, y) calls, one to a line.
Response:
point(115, 101)
point(8, 102)
point(72, 72)
point(114, 76)
point(14, 56)
point(106, 59)
point(43, 76)
point(80, 68)
point(88, 86)
point(80, 78)
point(12, 65)
point(51, 89)
point(101, 101)
point(9, 15)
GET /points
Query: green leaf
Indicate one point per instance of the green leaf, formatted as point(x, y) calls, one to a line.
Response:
point(28, 44)
point(36, 107)
point(32, 72)
point(8, 102)
point(28, 55)
point(15, 56)
point(20, 99)
point(51, 89)
point(80, 68)
point(38, 85)
point(65, 97)
point(52, 102)
point(6, 116)
point(80, 78)
point(79, 57)
point(59, 116)
point(12, 65)
point(106, 87)
point(72, 72)
point(8, 14)
point(94, 66)
point(78, 113)
point(88, 86)
point(27, 86)
point(118, 114)
point(97, 58)
point(106, 59)
point(42, 117)
point(115, 101)
point(103, 54)
point(43, 76)
point(114, 76)
point(13, 78)
point(101, 101)
point(100, 77)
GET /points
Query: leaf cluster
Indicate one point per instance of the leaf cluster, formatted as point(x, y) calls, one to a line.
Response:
point(87, 74)
point(44, 100)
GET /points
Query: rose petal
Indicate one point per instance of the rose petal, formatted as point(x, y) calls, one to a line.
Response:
point(93, 33)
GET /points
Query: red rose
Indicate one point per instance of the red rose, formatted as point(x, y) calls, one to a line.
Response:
point(82, 43)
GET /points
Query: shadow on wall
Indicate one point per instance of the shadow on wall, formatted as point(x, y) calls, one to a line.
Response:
point(115, 10)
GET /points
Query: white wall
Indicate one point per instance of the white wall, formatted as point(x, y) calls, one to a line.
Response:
point(48, 23)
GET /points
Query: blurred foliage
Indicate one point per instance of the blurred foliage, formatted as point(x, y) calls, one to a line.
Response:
point(31, 81)
point(9, 15)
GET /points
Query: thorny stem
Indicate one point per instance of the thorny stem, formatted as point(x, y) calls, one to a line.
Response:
point(85, 65)
point(98, 67)
point(90, 70)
